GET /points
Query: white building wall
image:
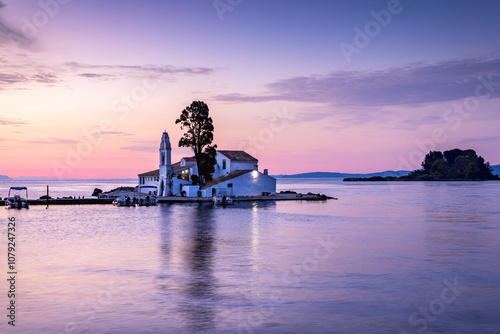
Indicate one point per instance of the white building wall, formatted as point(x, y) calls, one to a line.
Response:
point(231, 166)
point(193, 171)
point(239, 165)
point(176, 185)
point(149, 181)
point(249, 184)
point(218, 167)
point(191, 191)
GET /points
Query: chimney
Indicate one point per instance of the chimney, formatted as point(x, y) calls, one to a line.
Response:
point(266, 172)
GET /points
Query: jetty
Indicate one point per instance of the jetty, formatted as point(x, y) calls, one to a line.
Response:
point(283, 196)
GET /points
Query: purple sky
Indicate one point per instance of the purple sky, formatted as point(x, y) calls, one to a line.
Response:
point(87, 87)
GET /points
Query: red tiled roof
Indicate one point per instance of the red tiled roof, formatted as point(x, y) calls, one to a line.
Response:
point(227, 177)
point(237, 155)
point(175, 167)
point(155, 172)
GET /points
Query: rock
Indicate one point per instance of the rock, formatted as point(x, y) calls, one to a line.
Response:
point(96, 192)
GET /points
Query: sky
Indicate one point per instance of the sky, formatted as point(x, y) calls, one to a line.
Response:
point(88, 86)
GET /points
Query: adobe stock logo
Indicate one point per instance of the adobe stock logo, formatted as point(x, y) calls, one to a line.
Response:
point(436, 307)
point(31, 25)
point(373, 28)
point(222, 7)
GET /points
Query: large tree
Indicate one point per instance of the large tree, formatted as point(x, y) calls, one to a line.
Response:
point(455, 164)
point(199, 136)
point(430, 159)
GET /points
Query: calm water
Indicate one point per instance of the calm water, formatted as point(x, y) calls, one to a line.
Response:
point(385, 258)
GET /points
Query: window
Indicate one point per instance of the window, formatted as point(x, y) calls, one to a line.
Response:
point(162, 162)
point(229, 185)
point(223, 163)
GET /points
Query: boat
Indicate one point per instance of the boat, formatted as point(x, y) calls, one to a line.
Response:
point(16, 201)
point(139, 199)
point(146, 201)
point(123, 201)
point(223, 200)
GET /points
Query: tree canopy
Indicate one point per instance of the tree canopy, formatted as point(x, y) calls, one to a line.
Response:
point(452, 165)
point(455, 164)
point(199, 136)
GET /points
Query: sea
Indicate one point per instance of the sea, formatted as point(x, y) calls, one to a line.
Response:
point(386, 257)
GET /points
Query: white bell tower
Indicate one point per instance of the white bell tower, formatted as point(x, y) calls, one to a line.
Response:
point(165, 164)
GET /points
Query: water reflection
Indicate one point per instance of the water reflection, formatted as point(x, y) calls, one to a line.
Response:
point(165, 233)
point(255, 236)
point(199, 258)
point(257, 205)
point(198, 269)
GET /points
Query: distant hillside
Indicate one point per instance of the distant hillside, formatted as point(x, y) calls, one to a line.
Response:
point(36, 178)
point(496, 170)
point(329, 174)
point(4, 177)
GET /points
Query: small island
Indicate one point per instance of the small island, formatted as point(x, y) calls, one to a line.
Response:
point(452, 165)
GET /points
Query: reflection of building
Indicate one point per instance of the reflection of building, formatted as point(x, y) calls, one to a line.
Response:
point(236, 173)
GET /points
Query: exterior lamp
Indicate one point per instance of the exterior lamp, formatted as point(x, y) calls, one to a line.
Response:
point(255, 174)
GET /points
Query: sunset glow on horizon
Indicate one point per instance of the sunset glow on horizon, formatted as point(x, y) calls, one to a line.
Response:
point(88, 87)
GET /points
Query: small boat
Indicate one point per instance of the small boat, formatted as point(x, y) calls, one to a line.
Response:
point(223, 200)
point(147, 201)
point(123, 201)
point(16, 201)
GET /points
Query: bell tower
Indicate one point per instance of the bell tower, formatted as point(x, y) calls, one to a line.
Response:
point(165, 164)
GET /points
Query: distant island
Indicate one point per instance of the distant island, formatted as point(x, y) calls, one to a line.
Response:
point(452, 165)
point(496, 170)
point(4, 177)
point(343, 175)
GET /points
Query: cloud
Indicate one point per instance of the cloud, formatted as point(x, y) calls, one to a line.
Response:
point(96, 76)
point(52, 140)
point(140, 148)
point(48, 78)
point(413, 122)
point(418, 83)
point(10, 36)
point(479, 140)
point(24, 72)
point(143, 146)
point(116, 133)
point(7, 121)
point(13, 80)
point(107, 72)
